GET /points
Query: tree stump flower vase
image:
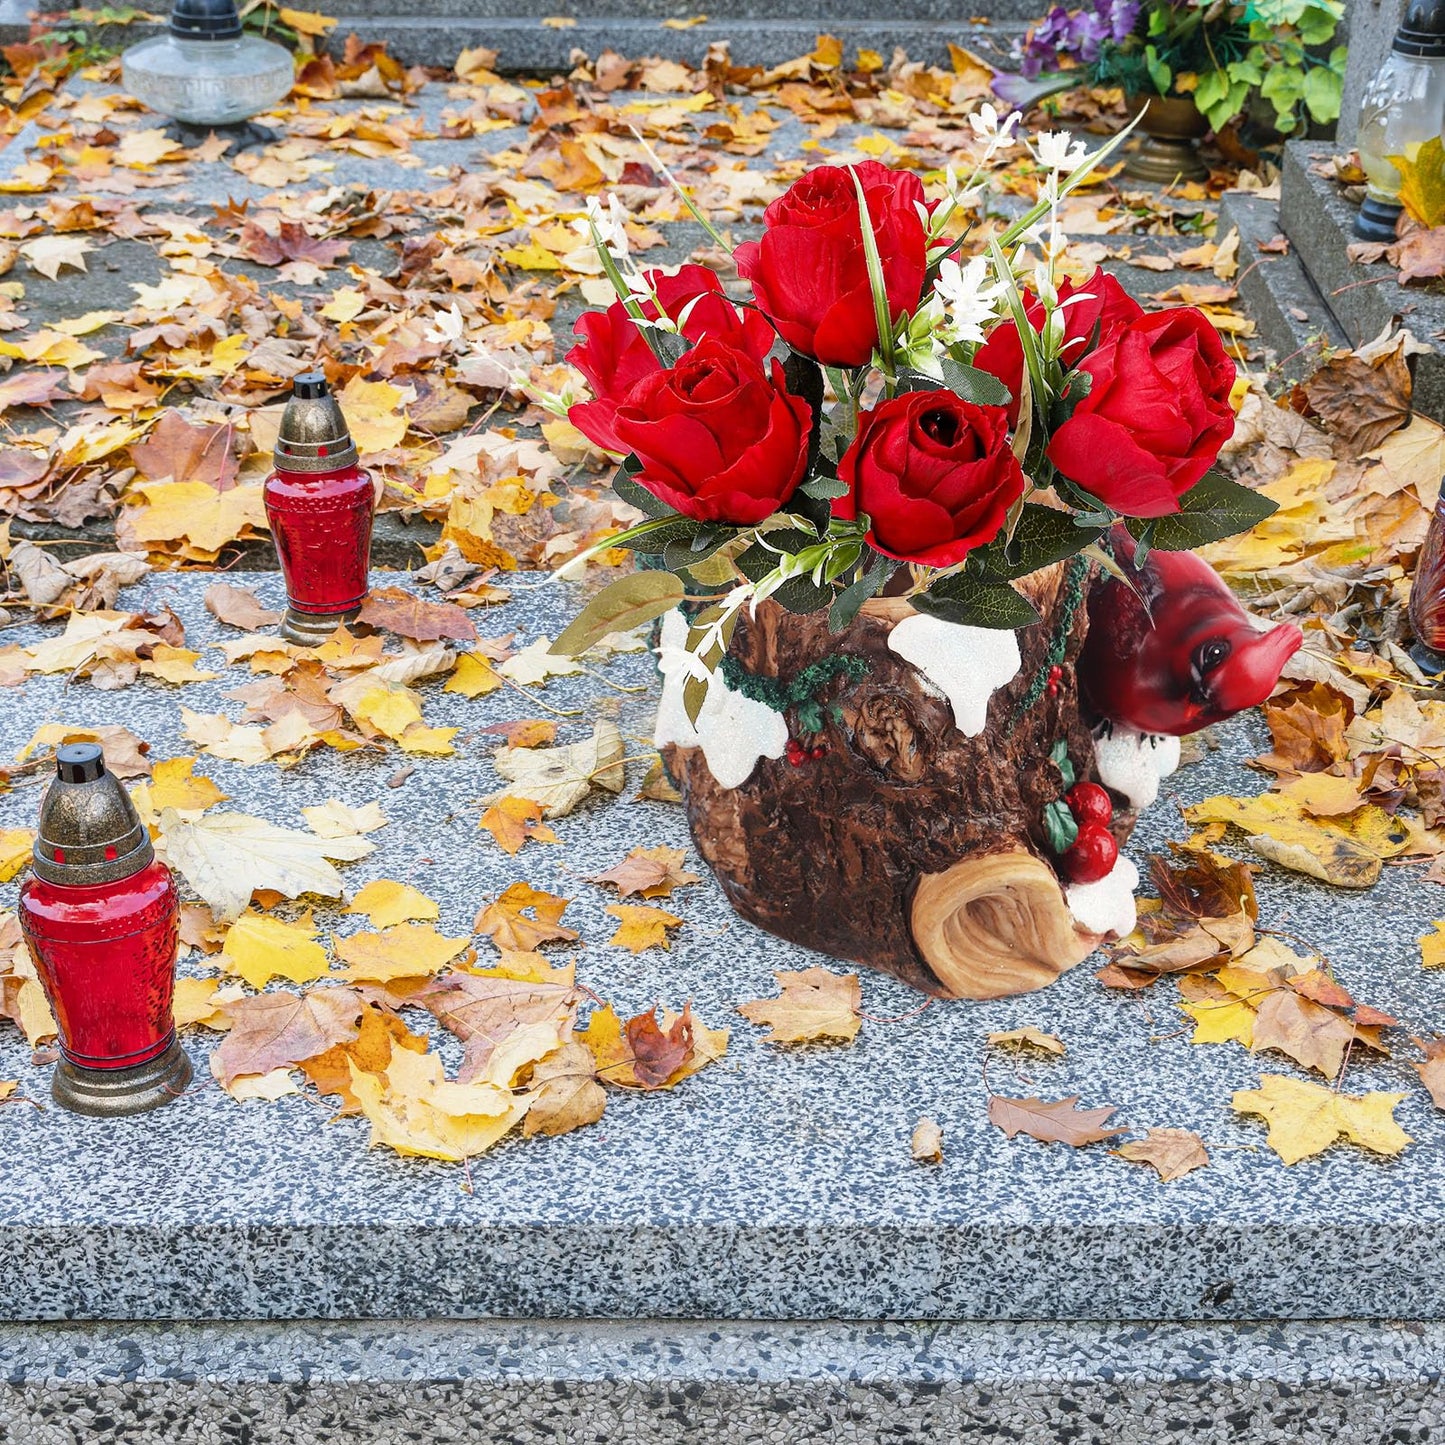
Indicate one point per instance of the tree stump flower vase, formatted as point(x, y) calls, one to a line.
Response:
point(930, 626)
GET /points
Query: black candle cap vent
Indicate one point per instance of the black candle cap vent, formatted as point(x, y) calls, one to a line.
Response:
point(79, 762)
point(1422, 31)
point(205, 20)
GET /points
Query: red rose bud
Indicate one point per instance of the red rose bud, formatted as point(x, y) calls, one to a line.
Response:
point(614, 355)
point(1093, 855)
point(1089, 803)
point(717, 439)
point(1155, 417)
point(1170, 650)
point(1102, 309)
point(810, 271)
point(934, 474)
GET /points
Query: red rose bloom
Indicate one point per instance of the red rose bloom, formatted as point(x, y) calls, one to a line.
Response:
point(810, 272)
point(1107, 309)
point(935, 475)
point(1155, 417)
point(614, 355)
point(718, 441)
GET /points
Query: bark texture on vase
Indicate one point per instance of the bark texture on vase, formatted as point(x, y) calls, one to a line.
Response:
point(906, 844)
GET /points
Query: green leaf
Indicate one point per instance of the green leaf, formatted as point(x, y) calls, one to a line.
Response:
point(798, 594)
point(1060, 826)
point(632, 492)
point(963, 599)
point(652, 538)
point(620, 606)
point(1322, 94)
point(1043, 535)
point(824, 488)
point(848, 602)
point(1060, 756)
point(687, 551)
point(876, 283)
point(1214, 507)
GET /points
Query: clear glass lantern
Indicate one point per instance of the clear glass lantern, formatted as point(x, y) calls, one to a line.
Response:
point(1403, 106)
point(205, 70)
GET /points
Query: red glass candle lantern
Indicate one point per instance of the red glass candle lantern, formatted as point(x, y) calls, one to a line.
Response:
point(100, 917)
point(320, 505)
point(1427, 598)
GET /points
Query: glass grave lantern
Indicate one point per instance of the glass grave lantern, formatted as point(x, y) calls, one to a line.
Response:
point(1403, 107)
point(100, 915)
point(207, 74)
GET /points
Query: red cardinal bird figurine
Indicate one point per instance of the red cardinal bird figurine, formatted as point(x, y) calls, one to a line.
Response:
point(1174, 652)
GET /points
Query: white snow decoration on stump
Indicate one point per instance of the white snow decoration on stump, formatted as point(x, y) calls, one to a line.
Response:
point(1107, 905)
point(966, 664)
point(1134, 763)
point(733, 731)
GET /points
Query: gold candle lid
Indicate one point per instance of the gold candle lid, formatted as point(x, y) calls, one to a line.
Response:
point(314, 436)
point(89, 830)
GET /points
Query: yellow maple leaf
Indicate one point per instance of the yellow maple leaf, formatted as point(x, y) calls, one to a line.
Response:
point(423, 741)
point(515, 821)
point(346, 304)
point(1219, 1015)
point(473, 677)
point(387, 903)
point(405, 950)
point(174, 664)
point(1432, 945)
point(201, 518)
point(175, 784)
point(306, 22)
point(334, 819)
point(259, 948)
point(814, 1004)
point(1422, 180)
point(642, 927)
point(414, 1109)
point(1306, 1119)
point(15, 846)
point(195, 1002)
point(375, 412)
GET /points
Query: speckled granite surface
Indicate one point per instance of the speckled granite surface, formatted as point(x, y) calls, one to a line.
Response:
point(599, 1384)
point(774, 1186)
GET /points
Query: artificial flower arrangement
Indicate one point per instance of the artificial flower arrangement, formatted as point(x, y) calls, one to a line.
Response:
point(927, 460)
point(1221, 54)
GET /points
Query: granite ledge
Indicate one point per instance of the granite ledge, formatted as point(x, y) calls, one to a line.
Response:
point(729, 1384)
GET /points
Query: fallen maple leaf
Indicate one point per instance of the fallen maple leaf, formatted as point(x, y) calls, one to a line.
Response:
point(651, 1053)
point(1306, 1119)
point(15, 847)
point(564, 1093)
point(175, 784)
point(226, 857)
point(534, 664)
point(1058, 1121)
point(387, 903)
point(259, 948)
point(515, 821)
point(415, 1109)
point(333, 819)
point(380, 1032)
point(238, 607)
point(815, 1004)
point(395, 610)
point(276, 1029)
point(648, 872)
point(1172, 1152)
point(495, 1013)
point(405, 950)
point(1432, 1069)
point(560, 778)
point(506, 923)
point(642, 927)
point(125, 753)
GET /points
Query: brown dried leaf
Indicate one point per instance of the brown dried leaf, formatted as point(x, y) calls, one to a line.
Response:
point(926, 1146)
point(506, 922)
point(238, 607)
point(815, 1004)
point(1173, 1152)
point(1057, 1121)
point(277, 1029)
point(565, 1093)
point(391, 609)
point(648, 872)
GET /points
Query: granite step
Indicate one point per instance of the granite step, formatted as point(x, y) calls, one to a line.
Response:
point(1294, 322)
point(537, 1383)
point(435, 33)
point(1363, 299)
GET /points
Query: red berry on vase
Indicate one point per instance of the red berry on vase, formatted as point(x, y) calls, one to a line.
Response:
point(1090, 803)
point(1093, 855)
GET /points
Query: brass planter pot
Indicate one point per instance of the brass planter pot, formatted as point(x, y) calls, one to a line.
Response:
point(1172, 127)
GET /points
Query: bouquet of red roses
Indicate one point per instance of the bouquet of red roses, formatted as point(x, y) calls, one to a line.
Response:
point(889, 413)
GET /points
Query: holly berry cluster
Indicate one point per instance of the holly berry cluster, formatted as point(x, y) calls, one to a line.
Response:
point(797, 754)
point(1078, 825)
point(1094, 851)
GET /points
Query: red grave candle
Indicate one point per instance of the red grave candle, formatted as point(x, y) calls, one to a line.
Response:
point(100, 915)
point(320, 505)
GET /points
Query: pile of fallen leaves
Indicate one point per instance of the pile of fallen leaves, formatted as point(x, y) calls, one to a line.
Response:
point(436, 311)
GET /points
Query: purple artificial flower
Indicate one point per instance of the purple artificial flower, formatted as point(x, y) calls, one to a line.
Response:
point(1076, 34)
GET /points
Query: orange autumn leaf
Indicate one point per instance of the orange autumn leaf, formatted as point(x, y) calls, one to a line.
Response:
point(515, 821)
point(642, 927)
